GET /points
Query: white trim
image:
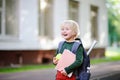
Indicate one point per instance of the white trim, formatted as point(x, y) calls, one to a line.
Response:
point(8, 38)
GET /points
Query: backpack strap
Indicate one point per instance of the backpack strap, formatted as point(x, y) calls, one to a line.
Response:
point(60, 46)
point(86, 59)
point(75, 46)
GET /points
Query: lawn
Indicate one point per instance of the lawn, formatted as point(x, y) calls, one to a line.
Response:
point(106, 59)
point(111, 54)
point(25, 68)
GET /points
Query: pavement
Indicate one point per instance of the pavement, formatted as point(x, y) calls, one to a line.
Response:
point(98, 72)
point(105, 71)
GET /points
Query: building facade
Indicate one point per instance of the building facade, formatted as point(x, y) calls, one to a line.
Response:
point(30, 29)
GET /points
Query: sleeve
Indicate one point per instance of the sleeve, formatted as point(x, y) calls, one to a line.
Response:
point(59, 49)
point(78, 61)
point(56, 52)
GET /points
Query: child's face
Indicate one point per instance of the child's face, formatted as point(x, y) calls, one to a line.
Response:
point(67, 32)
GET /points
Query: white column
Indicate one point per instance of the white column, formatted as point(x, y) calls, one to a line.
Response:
point(85, 28)
point(28, 24)
point(60, 12)
point(28, 18)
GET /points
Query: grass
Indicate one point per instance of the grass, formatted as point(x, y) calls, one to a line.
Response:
point(111, 55)
point(106, 59)
point(112, 52)
point(25, 68)
point(47, 66)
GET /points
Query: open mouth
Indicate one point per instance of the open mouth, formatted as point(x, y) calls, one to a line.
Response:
point(64, 34)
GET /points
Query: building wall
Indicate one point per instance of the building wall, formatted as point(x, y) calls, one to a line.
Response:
point(25, 57)
point(28, 28)
point(61, 13)
point(85, 22)
point(29, 38)
point(32, 47)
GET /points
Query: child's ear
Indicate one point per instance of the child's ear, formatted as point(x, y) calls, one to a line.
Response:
point(74, 33)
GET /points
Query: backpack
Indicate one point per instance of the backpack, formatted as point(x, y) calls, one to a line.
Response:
point(82, 72)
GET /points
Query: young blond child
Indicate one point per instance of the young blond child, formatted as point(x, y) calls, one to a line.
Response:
point(69, 31)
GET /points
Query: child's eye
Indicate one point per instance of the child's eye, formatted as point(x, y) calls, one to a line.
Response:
point(67, 28)
point(62, 28)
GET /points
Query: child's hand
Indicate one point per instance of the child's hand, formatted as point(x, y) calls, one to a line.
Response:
point(64, 72)
point(55, 60)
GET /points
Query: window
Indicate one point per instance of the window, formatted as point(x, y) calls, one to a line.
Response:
point(94, 22)
point(0, 15)
point(45, 18)
point(9, 18)
point(0, 21)
point(0, 3)
point(74, 10)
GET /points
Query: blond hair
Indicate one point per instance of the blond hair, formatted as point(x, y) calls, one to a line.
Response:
point(73, 25)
